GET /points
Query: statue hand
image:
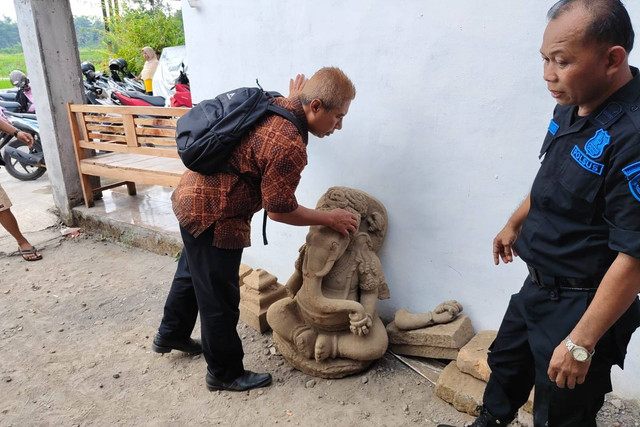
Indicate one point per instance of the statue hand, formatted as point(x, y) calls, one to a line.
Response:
point(360, 323)
point(446, 312)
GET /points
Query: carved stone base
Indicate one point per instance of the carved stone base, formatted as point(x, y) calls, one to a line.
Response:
point(329, 368)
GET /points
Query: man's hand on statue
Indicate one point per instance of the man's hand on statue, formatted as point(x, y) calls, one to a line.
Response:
point(360, 323)
point(503, 245)
point(296, 85)
point(564, 370)
point(344, 222)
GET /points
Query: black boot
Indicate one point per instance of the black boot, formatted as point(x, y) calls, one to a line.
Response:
point(485, 419)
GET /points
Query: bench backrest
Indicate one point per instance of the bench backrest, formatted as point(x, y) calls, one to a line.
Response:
point(125, 129)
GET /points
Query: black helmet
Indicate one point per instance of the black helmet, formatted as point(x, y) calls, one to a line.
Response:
point(87, 66)
point(118, 65)
point(88, 70)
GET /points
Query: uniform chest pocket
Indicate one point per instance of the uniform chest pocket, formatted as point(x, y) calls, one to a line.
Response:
point(576, 194)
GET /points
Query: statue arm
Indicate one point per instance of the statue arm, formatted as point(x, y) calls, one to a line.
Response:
point(294, 283)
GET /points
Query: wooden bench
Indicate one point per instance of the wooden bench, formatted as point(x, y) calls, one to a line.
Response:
point(129, 144)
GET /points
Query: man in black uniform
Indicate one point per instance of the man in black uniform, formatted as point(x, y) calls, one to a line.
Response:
point(578, 230)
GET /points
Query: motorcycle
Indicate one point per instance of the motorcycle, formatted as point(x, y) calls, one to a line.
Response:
point(22, 162)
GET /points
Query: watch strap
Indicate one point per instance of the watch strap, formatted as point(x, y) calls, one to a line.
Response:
point(571, 346)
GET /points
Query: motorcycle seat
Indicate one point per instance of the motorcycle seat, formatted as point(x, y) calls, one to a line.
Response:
point(29, 116)
point(10, 106)
point(157, 101)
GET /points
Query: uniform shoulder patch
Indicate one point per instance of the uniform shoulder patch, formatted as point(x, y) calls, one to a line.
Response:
point(632, 172)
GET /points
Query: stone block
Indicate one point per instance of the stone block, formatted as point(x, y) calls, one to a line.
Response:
point(260, 290)
point(244, 271)
point(425, 351)
point(472, 358)
point(449, 335)
point(461, 390)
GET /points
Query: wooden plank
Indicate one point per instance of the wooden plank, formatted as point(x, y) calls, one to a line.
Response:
point(130, 130)
point(105, 128)
point(164, 179)
point(167, 132)
point(85, 182)
point(142, 121)
point(108, 137)
point(138, 162)
point(166, 142)
point(102, 118)
point(122, 109)
point(122, 148)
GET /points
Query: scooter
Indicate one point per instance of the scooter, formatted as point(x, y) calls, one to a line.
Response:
point(22, 162)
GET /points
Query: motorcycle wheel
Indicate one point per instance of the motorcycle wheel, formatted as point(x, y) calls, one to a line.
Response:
point(20, 170)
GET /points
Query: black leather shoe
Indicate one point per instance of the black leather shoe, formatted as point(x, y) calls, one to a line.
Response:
point(485, 419)
point(163, 345)
point(246, 381)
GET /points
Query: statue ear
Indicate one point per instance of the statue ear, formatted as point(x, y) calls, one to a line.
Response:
point(376, 221)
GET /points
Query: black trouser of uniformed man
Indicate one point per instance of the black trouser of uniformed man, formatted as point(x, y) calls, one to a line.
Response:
point(539, 318)
point(206, 280)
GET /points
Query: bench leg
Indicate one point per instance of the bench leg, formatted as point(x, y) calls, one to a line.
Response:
point(87, 190)
point(131, 188)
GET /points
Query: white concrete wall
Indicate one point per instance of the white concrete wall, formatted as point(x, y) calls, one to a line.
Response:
point(445, 129)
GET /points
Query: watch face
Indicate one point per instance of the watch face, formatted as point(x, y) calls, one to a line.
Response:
point(580, 354)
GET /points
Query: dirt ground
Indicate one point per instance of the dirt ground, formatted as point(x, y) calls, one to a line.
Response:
point(75, 350)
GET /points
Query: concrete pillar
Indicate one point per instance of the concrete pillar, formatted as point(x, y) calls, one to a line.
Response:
point(53, 66)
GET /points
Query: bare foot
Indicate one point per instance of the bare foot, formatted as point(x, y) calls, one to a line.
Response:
point(325, 347)
point(304, 339)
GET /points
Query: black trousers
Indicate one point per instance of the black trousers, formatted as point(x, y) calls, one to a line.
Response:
point(536, 321)
point(206, 280)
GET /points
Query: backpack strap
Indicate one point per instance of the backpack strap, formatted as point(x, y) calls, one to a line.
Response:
point(283, 112)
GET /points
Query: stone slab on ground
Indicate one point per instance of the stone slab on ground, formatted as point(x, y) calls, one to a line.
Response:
point(472, 358)
point(461, 390)
point(425, 351)
point(449, 335)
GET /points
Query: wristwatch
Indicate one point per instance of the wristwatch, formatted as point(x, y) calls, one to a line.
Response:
point(15, 133)
point(578, 352)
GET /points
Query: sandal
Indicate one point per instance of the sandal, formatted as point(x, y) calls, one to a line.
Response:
point(30, 254)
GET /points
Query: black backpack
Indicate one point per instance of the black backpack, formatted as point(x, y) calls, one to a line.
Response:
point(208, 133)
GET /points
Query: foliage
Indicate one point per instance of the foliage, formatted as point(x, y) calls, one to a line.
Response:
point(89, 31)
point(154, 26)
point(9, 36)
point(12, 61)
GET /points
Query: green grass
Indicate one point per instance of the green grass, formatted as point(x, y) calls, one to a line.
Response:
point(5, 84)
point(15, 61)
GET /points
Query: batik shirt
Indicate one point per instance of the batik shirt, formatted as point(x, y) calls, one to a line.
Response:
point(270, 159)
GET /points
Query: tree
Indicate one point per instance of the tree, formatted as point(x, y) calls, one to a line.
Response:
point(9, 35)
point(140, 26)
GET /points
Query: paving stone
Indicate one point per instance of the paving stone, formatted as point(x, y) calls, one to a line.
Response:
point(472, 358)
point(461, 390)
point(425, 351)
point(449, 335)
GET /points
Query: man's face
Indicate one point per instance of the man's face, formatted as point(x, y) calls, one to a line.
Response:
point(575, 72)
point(324, 122)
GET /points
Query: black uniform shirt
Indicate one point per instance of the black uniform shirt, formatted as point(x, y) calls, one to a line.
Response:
point(585, 199)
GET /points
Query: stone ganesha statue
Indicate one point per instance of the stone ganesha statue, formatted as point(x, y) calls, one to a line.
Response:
point(328, 326)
